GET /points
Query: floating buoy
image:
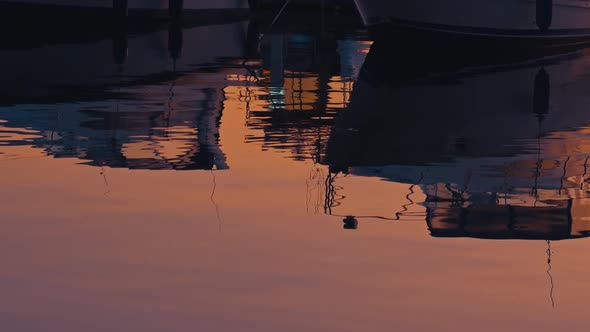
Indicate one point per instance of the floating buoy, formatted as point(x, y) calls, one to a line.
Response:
point(350, 222)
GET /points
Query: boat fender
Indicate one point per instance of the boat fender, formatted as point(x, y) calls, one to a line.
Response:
point(544, 14)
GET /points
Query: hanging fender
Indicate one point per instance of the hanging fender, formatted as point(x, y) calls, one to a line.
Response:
point(544, 14)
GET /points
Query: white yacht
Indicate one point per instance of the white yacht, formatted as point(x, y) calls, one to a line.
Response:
point(499, 18)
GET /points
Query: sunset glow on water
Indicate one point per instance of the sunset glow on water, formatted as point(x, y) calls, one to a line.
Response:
point(220, 178)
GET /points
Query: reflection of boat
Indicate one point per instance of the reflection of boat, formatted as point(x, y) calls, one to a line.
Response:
point(498, 150)
point(170, 122)
point(533, 22)
point(309, 79)
point(65, 70)
point(562, 219)
point(473, 113)
point(172, 125)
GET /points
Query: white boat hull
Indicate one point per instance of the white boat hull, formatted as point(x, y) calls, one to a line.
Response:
point(498, 17)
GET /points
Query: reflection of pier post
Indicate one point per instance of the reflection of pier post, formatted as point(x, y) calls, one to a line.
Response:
point(120, 48)
point(120, 8)
point(326, 46)
point(541, 94)
point(175, 8)
point(175, 41)
point(252, 46)
point(277, 69)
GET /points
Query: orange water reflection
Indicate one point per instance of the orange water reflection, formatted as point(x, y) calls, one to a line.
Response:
point(155, 236)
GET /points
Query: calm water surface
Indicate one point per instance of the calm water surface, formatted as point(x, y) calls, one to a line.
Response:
point(197, 178)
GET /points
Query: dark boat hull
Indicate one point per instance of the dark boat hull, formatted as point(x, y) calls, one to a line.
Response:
point(518, 24)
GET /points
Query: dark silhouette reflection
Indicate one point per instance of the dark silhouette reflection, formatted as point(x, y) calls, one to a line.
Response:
point(402, 113)
point(306, 78)
point(156, 100)
point(144, 106)
point(72, 66)
point(496, 151)
point(552, 288)
point(557, 220)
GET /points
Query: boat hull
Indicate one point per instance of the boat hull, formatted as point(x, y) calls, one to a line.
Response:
point(500, 18)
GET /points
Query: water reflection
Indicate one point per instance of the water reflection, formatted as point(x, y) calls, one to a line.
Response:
point(141, 107)
point(498, 135)
point(306, 81)
point(313, 128)
point(497, 152)
point(155, 99)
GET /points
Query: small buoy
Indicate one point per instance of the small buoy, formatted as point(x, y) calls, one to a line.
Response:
point(350, 222)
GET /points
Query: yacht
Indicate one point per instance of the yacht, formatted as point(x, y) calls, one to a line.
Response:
point(515, 20)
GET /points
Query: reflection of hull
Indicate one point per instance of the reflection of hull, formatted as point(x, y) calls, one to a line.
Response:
point(171, 126)
point(563, 219)
point(64, 70)
point(497, 150)
point(472, 113)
